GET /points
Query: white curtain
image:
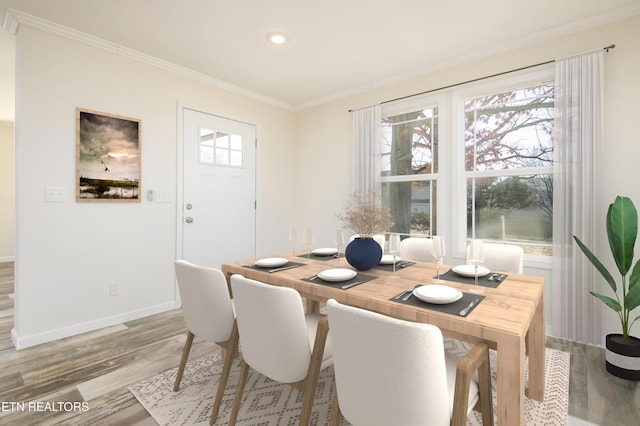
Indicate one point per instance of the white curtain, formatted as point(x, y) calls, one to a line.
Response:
point(366, 150)
point(578, 136)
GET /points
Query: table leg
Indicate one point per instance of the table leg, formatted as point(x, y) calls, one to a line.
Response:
point(510, 390)
point(313, 306)
point(535, 344)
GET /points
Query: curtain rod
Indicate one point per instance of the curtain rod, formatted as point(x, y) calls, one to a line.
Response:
point(606, 49)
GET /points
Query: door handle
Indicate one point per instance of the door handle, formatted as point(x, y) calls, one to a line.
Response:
point(189, 220)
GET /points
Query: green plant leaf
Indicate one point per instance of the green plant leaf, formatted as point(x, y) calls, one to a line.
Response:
point(632, 298)
point(596, 262)
point(634, 320)
point(612, 303)
point(634, 278)
point(622, 228)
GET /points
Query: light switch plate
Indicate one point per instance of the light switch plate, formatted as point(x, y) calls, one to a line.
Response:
point(164, 197)
point(54, 194)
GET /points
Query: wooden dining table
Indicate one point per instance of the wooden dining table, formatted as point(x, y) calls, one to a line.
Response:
point(510, 317)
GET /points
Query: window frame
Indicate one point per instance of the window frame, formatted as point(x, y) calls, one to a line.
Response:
point(411, 105)
point(452, 204)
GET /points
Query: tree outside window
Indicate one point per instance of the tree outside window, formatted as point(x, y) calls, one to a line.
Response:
point(508, 161)
point(409, 169)
point(508, 167)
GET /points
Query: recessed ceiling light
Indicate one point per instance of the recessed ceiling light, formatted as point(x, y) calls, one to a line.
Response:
point(277, 38)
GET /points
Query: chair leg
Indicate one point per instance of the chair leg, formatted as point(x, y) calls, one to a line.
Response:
point(308, 395)
point(477, 359)
point(334, 419)
point(244, 370)
point(311, 381)
point(183, 360)
point(484, 388)
point(230, 350)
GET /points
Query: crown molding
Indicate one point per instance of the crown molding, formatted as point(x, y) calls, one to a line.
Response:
point(15, 18)
point(10, 23)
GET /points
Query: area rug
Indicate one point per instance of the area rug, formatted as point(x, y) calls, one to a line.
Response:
point(270, 403)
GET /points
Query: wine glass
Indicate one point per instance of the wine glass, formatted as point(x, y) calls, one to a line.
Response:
point(476, 257)
point(338, 239)
point(394, 248)
point(307, 239)
point(438, 250)
point(293, 237)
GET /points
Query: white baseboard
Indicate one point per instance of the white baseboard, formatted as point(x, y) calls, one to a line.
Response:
point(7, 259)
point(22, 342)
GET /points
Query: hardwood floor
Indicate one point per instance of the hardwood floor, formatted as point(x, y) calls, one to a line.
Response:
point(97, 367)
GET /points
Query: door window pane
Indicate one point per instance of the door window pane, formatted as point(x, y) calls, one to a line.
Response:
point(220, 148)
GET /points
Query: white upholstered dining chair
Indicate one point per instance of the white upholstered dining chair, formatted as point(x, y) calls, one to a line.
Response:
point(416, 248)
point(502, 257)
point(278, 340)
point(208, 313)
point(394, 372)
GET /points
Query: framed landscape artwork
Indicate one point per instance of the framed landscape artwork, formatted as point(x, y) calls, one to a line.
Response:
point(107, 157)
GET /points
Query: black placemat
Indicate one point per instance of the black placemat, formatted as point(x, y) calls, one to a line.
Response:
point(399, 265)
point(353, 282)
point(483, 281)
point(450, 308)
point(288, 265)
point(320, 256)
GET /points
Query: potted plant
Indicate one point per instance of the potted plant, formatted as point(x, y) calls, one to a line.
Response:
point(365, 217)
point(622, 350)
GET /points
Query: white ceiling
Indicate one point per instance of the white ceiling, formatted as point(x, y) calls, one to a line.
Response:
point(337, 47)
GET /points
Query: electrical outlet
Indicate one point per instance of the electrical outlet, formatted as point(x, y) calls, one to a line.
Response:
point(114, 289)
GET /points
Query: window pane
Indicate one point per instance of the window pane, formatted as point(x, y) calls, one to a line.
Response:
point(206, 146)
point(409, 143)
point(412, 204)
point(510, 130)
point(222, 140)
point(236, 142)
point(515, 209)
point(222, 156)
point(206, 154)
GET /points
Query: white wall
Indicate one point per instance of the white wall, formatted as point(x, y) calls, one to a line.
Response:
point(6, 192)
point(67, 253)
point(323, 133)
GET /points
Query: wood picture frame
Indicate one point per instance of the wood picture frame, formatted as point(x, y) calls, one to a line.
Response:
point(108, 157)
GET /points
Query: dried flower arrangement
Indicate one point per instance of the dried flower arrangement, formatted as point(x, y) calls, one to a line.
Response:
point(364, 215)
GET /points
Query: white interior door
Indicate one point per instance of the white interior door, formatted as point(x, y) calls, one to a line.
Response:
point(218, 209)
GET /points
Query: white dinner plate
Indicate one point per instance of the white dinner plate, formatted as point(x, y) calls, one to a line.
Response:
point(387, 259)
point(470, 270)
point(338, 274)
point(329, 251)
point(270, 262)
point(435, 293)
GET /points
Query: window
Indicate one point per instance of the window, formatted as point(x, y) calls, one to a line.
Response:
point(220, 148)
point(473, 163)
point(508, 157)
point(409, 169)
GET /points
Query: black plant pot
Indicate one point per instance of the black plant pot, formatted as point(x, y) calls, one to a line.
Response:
point(623, 356)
